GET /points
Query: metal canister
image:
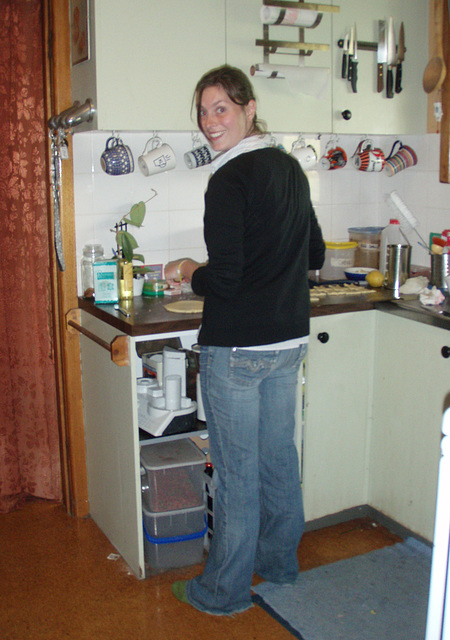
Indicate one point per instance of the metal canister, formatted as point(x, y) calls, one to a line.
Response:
point(398, 265)
point(440, 269)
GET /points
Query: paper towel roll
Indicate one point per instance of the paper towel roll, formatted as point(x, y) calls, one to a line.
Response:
point(290, 17)
point(310, 80)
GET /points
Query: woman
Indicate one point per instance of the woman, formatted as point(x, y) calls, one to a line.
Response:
point(262, 237)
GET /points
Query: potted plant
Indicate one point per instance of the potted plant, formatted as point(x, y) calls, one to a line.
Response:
point(126, 245)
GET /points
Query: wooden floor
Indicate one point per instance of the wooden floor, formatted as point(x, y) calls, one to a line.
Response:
point(56, 582)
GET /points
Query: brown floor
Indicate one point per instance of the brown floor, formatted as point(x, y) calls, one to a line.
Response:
point(56, 582)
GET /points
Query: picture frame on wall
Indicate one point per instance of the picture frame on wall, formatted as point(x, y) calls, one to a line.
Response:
point(79, 30)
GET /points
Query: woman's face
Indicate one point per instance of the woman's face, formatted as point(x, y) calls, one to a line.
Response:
point(224, 122)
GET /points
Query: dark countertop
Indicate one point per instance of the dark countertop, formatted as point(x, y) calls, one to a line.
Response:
point(148, 315)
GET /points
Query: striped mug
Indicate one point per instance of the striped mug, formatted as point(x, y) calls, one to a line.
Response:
point(367, 157)
point(401, 159)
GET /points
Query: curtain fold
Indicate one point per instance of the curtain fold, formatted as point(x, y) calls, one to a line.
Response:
point(29, 441)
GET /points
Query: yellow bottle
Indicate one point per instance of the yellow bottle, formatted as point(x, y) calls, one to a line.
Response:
point(125, 279)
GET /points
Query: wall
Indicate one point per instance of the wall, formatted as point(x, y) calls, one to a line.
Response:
point(173, 225)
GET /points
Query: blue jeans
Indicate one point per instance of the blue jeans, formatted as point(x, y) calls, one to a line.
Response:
point(249, 399)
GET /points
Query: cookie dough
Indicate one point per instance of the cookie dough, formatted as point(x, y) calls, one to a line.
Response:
point(185, 306)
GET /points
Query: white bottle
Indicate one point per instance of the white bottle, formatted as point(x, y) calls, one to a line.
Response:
point(390, 235)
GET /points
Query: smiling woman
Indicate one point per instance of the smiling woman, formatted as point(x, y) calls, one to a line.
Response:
point(262, 236)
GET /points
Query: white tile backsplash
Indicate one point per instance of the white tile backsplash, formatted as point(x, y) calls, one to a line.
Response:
point(173, 224)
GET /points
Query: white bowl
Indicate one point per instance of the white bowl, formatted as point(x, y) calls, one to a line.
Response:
point(357, 273)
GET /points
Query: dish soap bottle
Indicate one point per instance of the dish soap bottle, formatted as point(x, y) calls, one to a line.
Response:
point(125, 279)
point(390, 235)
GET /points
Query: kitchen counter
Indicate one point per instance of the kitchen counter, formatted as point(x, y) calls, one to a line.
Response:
point(148, 315)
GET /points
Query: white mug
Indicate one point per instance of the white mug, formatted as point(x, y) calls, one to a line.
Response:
point(306, 156)
point(161, 157)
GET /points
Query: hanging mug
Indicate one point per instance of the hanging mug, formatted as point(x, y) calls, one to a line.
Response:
point(117, 158)
point(305, 154)
point(334, 157)
point(368, 158)
point(401, 159)
point(200, 155)
point(160, 157)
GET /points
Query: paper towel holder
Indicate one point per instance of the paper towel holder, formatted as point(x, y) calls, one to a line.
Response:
point(300, 48)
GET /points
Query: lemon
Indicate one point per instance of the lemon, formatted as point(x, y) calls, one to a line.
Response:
point(375, 278)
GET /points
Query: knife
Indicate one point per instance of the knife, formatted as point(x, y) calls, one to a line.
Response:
point(344, 57)
point(381, 54)
point(351, 49)
point(391, 58)
point(354, 63)
point(400, 58)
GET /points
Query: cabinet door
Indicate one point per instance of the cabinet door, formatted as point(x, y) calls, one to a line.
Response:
point(372, 112)
point(147, 58)
point(112, 446)
point(280, 106)
point(411, 384)
point(338, 382)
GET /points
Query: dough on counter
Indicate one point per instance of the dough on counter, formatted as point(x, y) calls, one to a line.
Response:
point(185, 306)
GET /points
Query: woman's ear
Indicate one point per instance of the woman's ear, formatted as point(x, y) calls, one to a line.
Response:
point(250, 110)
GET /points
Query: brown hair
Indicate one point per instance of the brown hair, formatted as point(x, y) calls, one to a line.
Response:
point(237, 86)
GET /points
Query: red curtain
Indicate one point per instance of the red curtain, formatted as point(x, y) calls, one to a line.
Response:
point(29, 442)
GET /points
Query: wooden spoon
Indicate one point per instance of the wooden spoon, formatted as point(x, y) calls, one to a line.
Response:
point(435, 71)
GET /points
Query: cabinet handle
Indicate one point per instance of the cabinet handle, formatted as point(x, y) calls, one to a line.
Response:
point(347, 114)
point(323, 337)
point(445, 351)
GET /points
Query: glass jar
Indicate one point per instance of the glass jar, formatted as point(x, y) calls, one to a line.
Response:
point(91, 253)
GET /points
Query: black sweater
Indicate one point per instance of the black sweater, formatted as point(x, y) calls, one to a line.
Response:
point(262, 237)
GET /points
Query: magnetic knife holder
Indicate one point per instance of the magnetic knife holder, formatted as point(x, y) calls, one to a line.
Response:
point(301, 47)
point(363, 46)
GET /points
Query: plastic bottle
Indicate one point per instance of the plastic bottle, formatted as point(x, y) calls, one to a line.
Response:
point(91, 253)
point(390, 235)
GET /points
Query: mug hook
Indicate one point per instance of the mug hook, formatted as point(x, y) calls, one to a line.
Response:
point(196, 142)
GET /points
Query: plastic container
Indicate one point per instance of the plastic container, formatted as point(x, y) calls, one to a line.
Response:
point(367, 252)
point(338, 257)
point(91, 253)
point(172, 476)
point(174, 539)
point(389, 235)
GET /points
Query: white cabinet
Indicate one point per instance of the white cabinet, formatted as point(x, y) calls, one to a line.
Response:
point(337, 398)
point(411, 386)
point(146, 58)
point(112, 438)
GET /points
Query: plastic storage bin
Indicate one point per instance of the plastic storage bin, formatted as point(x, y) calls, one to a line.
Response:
point(172, 475)
point(174, 539)
point(367, 252)
point(338, 257)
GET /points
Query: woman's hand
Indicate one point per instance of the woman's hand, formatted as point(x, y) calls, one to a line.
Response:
point(180, 270)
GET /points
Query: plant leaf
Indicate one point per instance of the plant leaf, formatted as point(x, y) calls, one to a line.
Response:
point(128, 243)
point(138, 256)
point(136, 215)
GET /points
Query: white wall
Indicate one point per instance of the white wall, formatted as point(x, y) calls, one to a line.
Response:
point(173, 225)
